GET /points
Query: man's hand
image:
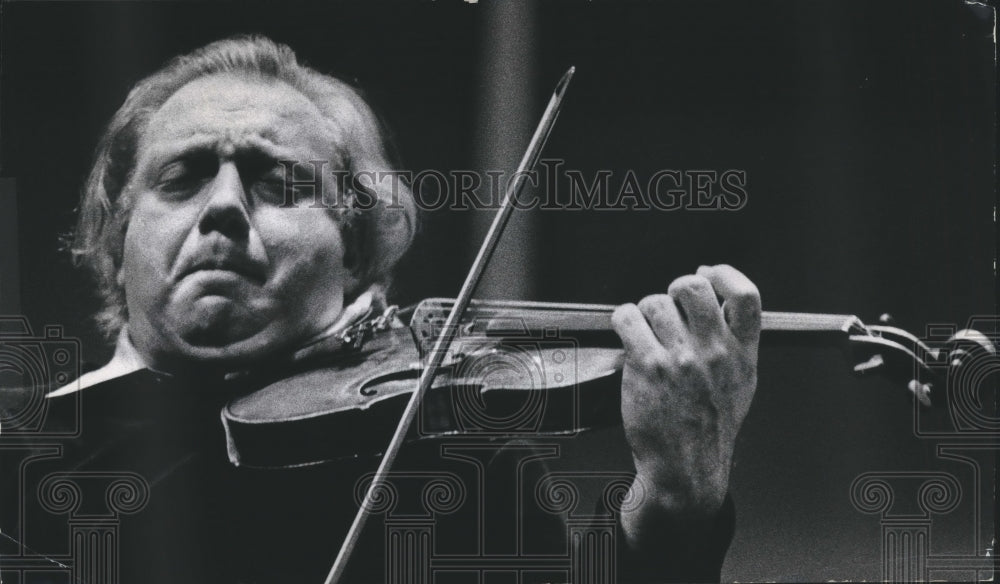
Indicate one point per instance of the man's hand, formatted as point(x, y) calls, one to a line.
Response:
point(690, 375)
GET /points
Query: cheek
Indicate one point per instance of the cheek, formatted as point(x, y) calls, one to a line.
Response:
point(137, 259)
point(304, 245)
point(153, 239)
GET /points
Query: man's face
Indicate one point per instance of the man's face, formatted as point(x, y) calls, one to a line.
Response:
point(214, 268)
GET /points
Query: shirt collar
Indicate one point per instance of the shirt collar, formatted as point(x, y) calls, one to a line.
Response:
point(125, 360)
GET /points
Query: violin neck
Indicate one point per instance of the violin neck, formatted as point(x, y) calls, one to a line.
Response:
point(590, 321)
point(810, 322)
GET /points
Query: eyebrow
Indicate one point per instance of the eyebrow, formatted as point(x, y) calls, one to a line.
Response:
point(252, 147)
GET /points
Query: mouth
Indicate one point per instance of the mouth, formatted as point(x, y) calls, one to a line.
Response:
point(228, 265)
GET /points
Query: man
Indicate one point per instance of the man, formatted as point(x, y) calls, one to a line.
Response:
point(207, 273)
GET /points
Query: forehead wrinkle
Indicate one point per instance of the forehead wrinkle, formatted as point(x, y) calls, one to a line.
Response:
point(226, 148)
point(210, 112)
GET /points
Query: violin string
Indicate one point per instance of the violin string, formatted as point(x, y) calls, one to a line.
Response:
point(597, 316)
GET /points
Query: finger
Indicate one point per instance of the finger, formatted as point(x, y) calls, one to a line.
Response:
point(741, 299)
point(664, 319)
point(696, 298)
point(637, 337)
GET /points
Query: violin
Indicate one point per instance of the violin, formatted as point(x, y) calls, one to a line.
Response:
point(496, 370)
point(514, 369)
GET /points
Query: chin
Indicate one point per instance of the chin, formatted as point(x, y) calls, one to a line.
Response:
point(216, 333)
point(218, 328)
point(216, 346)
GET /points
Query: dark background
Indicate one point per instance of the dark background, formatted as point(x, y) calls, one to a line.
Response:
point(866, 129)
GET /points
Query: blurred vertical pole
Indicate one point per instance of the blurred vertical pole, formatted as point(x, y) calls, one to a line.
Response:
point(507, 104)
point(835, 129)
point(10, 269)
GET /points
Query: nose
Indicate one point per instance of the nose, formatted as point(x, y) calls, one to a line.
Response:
point(227, 210)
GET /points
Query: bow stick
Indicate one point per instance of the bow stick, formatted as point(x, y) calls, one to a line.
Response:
point(450, 329)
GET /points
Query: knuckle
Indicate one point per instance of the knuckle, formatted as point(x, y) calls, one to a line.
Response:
point(689, 284)
point(686, 360)
point(707, 358)
point(623, 315)
point(652, 362)
point(717, 357)
point(654, 304)
point(748, 292)
point(716, 348)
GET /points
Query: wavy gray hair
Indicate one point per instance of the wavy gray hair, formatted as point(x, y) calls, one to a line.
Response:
point(376, 238)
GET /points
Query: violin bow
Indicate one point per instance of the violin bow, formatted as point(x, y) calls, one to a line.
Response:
point(450, 329)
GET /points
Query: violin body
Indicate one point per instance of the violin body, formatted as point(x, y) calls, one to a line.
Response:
point(349, 403)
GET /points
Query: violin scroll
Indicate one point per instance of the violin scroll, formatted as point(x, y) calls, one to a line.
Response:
point(923, 364)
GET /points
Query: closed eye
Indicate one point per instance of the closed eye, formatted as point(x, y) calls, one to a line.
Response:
point(279, 182)
point(185, 175)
